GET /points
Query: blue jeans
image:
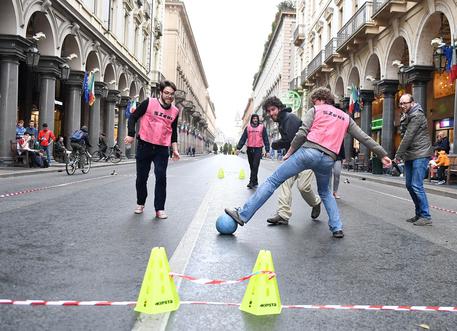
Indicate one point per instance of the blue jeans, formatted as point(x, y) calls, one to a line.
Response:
point(48, 157)
point(303, 158)
point(415, 171)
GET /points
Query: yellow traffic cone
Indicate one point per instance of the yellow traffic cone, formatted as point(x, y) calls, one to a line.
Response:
point(220, 173)
point(158, 292)
point(262, 294)
point(242, 175)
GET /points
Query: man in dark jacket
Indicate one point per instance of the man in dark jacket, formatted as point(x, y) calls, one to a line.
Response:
point(288, 125)
point(443, 142)
point(255, 136)
point(415, 149)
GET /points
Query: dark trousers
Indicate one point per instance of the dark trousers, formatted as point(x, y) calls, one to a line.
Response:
point(440, 172)
point(254, 156)
point(147, 153)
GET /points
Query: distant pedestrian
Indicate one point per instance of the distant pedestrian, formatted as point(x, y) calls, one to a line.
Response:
point(193, 151)
point(442, 141)
point(32, 129)
point(442, 163)
point(415, 149)
point(337, 171)
point(20, 130)
point(79, 141)
point(257, 137)
point(288, 125)
point(315, 147)
point(46, 138)
point(157, 131)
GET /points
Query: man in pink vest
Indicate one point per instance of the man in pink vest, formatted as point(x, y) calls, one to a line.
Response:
point(158, 130)
point(257, 137)
point(315, 146)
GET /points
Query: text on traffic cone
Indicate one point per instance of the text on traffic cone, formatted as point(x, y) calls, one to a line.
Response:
point(262, 294)
point(158, 291)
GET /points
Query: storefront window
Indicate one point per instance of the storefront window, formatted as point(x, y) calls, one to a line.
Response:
point(442, 86)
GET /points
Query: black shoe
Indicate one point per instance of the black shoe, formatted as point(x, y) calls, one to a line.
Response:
point(277, 220)
point(250, 186)
point(233, 213)
point(338, 234)
point(316, 211)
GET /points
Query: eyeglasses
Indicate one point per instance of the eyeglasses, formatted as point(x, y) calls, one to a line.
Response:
point(404, 103)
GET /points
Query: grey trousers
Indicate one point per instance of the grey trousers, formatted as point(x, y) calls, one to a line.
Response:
point(336, 176)
point(303, 180)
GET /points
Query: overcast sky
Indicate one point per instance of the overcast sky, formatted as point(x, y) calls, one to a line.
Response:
point(230, 36)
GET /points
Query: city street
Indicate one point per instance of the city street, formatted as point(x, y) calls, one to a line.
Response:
point(78, 239)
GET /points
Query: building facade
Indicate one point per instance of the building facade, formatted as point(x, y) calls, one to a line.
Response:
point(183, 66)
point(381, 49)
point(275, 70)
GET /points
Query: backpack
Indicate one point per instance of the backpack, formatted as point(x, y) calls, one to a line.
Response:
point(77, 136)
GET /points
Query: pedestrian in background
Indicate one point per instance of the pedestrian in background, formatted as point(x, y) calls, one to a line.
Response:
point(415, 149)
point(315, 147)
point(157, 131)
point(442, 141)
point(46, 138)
point(32, 129)
point(442, 162)
point(288, 125)
point(336, 171)
point(256, 136)
point(20, 130)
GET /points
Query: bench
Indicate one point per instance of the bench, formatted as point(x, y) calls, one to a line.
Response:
point(359, 163)
point(22, 160)
point(452, 169)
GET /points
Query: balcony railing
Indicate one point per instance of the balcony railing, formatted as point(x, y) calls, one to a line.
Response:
point(330, 48)
point(360, 19)
point(378, 4)
point(315, 64)
point(299, 34)
point(385, 10)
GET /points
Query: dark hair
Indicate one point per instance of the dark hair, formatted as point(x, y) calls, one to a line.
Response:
point(45, 125)
point(323, 94)
point(166, 83)
point(272, 101)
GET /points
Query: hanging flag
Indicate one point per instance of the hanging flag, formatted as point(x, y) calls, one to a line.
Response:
point(133, 107)
point(356, 100)
point(92, 89)
point(351, 101)
point(86, 88)
point(360, 99)
point(453, 74)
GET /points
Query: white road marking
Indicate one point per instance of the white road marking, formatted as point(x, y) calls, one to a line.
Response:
point(178, 263)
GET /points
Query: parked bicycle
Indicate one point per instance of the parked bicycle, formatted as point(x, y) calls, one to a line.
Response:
point(114, 154)
point(76, 160)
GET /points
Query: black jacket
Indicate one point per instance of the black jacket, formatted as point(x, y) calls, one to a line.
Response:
point(288, 125)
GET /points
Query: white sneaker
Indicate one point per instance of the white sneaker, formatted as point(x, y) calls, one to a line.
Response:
point(161, 214)
point(441, 182)
point(139, 209)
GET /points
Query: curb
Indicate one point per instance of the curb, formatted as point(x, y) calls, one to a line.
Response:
point(443, 191)
point(51, 169)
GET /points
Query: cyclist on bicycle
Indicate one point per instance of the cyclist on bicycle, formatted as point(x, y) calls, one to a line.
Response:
point(102, 146)
point(78, 141)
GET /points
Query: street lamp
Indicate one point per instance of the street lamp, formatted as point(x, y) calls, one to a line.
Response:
point(32, 57)
point(403, 75)
point(439, 60)
point(104, 92)
point(65, 71)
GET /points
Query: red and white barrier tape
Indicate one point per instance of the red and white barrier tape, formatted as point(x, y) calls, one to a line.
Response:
point(318, 307)
point(444, 209)
point(205, 281)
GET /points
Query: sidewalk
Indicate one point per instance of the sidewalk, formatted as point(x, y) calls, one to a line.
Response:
point(444, 190)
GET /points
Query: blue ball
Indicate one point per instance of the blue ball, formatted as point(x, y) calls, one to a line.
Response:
point(225, 224)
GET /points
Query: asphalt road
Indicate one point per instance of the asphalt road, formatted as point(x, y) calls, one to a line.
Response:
point(79, 240)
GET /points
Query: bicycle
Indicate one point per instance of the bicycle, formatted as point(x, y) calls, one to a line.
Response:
point(114, 155)
point(75, 161)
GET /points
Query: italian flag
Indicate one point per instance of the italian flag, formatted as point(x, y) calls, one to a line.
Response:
point(91, 88)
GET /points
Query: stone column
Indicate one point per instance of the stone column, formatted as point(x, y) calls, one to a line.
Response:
point(419, 76)
point(348, 140)
point(121, 123)
point(388, 88)
point(72, 115)
point(110, 105)
point(367, 99)
point(9, 77)
point(94, 117)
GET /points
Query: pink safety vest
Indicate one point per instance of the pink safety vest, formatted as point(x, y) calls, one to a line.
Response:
point(329, 127)
point(155, 124)
point(255, 136)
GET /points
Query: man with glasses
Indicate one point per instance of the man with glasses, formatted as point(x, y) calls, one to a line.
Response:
point(415, 149)
point(315, 146)
point(158, 130)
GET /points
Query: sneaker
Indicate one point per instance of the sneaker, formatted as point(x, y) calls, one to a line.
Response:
point(412, 219)
point(338, 234)
point(139, 209)
point(161, 214)
point(336, 196)
point(250, 186)
point(441, 182)
point(423, 222)
point(277, 220)
point(233, 213)
point(316, 211)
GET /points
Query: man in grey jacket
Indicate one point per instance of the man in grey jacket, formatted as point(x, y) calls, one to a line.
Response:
point(415, 149)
